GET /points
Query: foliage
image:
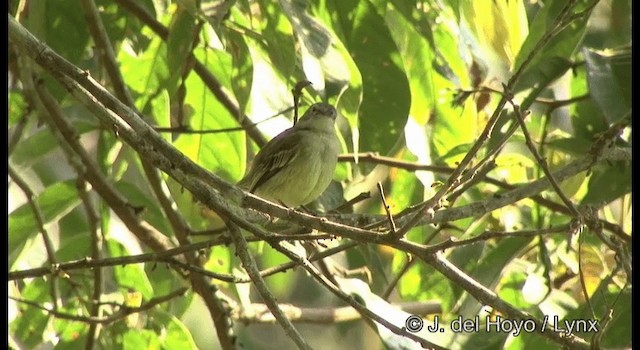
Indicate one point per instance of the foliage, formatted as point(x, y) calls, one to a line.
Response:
point(500, 132)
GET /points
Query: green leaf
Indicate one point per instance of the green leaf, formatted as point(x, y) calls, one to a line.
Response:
point(75, 247)
point(416, 55)
point(270, 55)
point(135, 339)
point(619, 331)
point(175, 335)
point(609, 76)
point(280, 284)
point(69, 330)
point(119, 23)
point(145, 73)
point(467, 257)
point(276, 40)
point(322, 60)
point(62, 21)
point(30, 325)
point(511, 290)
point(543, 74)
point(588, 120)
point(498, 26)
point(218, 152)
point(489, 269)
point(40, 144)
point(181, 36)
point(422, 282)
point(572, 145)
point(342, 76)
point(404, 188)
point(608, 182)
point(560, 46)
point(222, 153)
point(386, 93)
point(130, 276)
point(54, 202)
point(17, 107)
point(450, 141)
point(481, 340)
point(151, 210)
point(163, 281)
point(242, 68)
point(160, 110)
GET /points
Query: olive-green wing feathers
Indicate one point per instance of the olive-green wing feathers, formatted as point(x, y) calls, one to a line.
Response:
point(271, 159)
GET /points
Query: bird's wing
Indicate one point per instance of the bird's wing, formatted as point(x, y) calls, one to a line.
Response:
point(269, 162)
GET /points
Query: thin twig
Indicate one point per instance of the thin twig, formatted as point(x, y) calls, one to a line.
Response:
point(40, 224)
point(541, 162)
point(401, 271)
point(409, 262)
point(431, 205)
point(392, 224)
point(182, 129)
point(96, 253)
point(351, 202)
point(209, 80)
point(487, 235)
point(327, 283)
point(412, 166)
point(170, 159)
point(90, 171)
point(64, 268)
point(315, 257)
point(242, 251)
point(606, 319)
point(375, 158)
point(470, 179)
point(214, 200)
point(105, 50)
point(259, 313)
point(178, 223)
point(551, 104)
point(16, 135)
point(583, 284)
point(297, 93)
point(488, 297)
point(87, 263)
point(119, 315)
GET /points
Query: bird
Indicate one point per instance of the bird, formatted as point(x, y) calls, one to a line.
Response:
point(297, 166)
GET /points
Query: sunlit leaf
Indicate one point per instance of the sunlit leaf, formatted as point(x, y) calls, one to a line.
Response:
point(499, 26)
point(175, 336)
point(141, 339)
point(40, 144)
point(385, 101)
point(17, 107)
point(54, 202)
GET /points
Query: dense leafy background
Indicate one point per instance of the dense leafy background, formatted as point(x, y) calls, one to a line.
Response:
point(413, 80)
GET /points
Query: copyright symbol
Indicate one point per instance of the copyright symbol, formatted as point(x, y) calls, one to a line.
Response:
point(414, 324)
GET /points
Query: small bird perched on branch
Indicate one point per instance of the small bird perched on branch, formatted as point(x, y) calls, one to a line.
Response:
point(295, 167)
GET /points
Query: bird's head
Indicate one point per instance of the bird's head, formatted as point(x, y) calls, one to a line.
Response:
point(319, 115)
